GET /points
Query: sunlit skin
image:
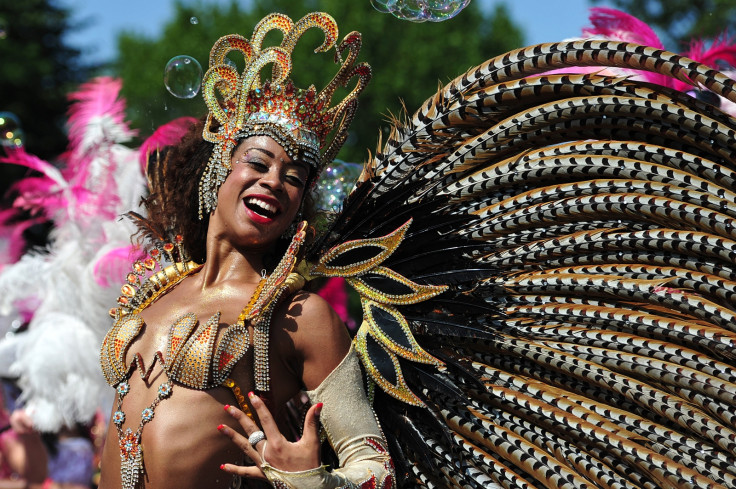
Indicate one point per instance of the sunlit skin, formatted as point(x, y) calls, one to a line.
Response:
point(193, 442)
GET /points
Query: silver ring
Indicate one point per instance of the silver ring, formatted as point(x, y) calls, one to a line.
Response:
point(255, 437)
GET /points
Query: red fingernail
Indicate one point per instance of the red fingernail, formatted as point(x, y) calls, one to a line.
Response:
point(319, 408)
point(226, 406)
point(251, 394)
point(221, 427)
point(222, 467)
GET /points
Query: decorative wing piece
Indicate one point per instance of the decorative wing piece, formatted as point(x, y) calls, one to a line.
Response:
point(560, 312)
point(356, 257)
point(384, 333)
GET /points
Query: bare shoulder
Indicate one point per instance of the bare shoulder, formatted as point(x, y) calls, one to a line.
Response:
point(320, 337)
point(314, 316)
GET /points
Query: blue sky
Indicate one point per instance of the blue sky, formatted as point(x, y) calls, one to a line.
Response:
point(544, 20)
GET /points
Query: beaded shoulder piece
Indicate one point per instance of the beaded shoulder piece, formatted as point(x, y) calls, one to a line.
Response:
point(165, 266)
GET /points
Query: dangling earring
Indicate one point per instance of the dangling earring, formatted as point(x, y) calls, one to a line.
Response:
point(291, 230)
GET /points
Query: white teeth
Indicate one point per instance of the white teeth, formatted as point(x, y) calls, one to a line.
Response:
point(260, 203)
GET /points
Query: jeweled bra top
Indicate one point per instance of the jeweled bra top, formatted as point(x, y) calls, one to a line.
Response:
point(191, 357)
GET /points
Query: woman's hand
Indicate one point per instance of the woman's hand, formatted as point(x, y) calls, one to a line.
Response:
point(274, 449)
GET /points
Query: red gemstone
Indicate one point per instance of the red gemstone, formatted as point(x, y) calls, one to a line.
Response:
point(129, 446)
point(178, 238)
point(224, 358)
point(369, 484)
point(132, 278)
point(154, 253)
point(168, 247)
point(149, 263)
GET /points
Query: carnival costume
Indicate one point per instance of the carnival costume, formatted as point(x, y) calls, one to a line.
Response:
point(546, 265)
point(305, 125)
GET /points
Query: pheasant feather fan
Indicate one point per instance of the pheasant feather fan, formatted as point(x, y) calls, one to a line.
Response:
point(576, 237)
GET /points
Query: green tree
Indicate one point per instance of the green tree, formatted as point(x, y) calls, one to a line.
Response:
point(38, 70)
point(408, 59)
point(680, 21)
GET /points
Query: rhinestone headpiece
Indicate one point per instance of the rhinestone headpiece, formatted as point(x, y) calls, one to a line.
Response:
point(301, 121)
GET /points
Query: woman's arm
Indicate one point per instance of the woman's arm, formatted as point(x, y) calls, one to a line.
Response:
point(331, 373)
point(353, 432)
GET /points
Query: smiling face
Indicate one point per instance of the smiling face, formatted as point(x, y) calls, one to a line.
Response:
point(261, 196)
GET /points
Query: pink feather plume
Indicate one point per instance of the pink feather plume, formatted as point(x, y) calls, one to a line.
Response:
point(614, 24)
point(722, 49)
point(96, 120)
point(13, 234)
point(18, 156)
point(166, 135)
point(111, 268)
point(336, 295)
point(96, 98)
point(43, 195)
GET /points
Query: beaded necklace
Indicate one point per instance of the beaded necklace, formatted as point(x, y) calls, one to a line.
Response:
point(131, 451)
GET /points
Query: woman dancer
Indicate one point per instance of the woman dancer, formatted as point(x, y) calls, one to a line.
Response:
point(545, 264)
point(214, 311)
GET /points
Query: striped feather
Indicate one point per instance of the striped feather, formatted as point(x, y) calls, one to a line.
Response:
point(586, 227)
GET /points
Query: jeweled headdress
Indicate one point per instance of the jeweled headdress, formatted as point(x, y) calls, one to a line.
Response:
point(302, 121)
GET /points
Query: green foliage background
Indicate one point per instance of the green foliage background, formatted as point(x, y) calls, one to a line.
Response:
point(37, 70)
point(409, 60)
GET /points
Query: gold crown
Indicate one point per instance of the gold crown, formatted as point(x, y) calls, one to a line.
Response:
point(301, 121)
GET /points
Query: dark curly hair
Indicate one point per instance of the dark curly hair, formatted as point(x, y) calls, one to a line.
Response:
point(173, 203)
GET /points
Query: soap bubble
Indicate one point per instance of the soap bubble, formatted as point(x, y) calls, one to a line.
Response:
point(421, 10)
point(413, 10)
point(384, 6)
point(193, 20)
point(445, 9)
point(335, 183)
point(183, 76)
point(11, 133)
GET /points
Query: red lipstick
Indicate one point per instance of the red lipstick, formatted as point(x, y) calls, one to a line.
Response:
point(261, 209)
